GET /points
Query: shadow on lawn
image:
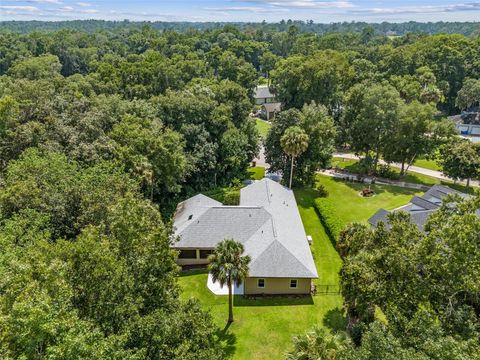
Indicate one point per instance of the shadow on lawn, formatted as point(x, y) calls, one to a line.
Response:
point(227, 339)
point(241, 301)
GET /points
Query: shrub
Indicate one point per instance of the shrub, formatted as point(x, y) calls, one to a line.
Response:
point(330, 221)
point(321, 191)
point(231, 197)
point(385, 171)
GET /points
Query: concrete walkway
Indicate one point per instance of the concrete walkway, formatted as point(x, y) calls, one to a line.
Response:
point(416, 169)
point(215, 287)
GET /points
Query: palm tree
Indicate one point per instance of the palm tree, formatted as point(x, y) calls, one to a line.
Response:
point(318, 344)
point(294, 142)
point(228, 266)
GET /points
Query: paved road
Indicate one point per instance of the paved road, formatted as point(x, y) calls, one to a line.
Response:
point(260, 160)
point(417, 169)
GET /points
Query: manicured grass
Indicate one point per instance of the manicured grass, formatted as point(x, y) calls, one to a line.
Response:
point(412, 177)
point(256, 173)
point(349, 206)
point(263, 127)
point(428, 164)
point(263, 328)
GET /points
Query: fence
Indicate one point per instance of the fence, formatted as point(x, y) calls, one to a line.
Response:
point(326, 290)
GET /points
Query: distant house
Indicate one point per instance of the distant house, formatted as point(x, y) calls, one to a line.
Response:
point(420, 208)
point(270, 110)
point(266, 222)
point(468, 124)
point(263, 95)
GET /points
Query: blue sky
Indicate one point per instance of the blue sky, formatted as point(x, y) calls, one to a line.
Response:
point(324, 11)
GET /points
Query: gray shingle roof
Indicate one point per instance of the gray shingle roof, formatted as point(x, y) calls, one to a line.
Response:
point(263, 92)
point(267, 222)
point(419, 208)
point(271, 107)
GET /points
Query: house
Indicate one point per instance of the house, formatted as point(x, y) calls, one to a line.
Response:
point(468, 124)
point(270, 110)
point(263, 95)
point(420, 208)
point(266, 222)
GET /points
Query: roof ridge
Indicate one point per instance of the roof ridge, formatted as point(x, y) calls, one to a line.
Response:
point(276, 241)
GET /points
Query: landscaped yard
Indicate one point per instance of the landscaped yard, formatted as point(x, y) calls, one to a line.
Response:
point(413, 177)
point(263, 329)
point(263, 127)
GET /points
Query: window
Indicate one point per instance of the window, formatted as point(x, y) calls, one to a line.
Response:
point(205, 253)
point(187, 254)
point(261, 283)
point(293, 283)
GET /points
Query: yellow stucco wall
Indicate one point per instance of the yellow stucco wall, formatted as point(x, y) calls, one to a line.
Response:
point(277, 286)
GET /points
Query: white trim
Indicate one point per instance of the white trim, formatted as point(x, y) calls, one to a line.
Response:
point(296, 284)
point(261, 287)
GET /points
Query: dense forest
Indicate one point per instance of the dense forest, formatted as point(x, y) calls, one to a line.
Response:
point(105, 126)
point(384, 28)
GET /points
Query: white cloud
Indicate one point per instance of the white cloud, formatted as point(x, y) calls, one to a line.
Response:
point(425, 9)
point(42, 1)
point(303, 4)
point(84, 4)
point(18, 8)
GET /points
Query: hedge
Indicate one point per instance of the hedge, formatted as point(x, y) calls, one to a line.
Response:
point(327, 216)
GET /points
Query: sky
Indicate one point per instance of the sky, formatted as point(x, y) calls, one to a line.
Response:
point(320, 11)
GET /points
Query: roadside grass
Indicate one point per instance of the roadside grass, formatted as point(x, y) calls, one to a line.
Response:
point(428, 164)
point(411, 176)
point(263, 127)
point(263, 328)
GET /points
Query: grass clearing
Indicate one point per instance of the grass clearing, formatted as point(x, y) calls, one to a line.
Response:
point(263, 127)
point(263, 328)
point(256, 173)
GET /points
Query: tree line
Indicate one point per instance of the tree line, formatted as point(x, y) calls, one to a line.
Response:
point(103, 132)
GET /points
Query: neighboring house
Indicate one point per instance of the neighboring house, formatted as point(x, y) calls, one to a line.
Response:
point(270, 110)
point(270, 106)
point(266, 222)
point(263, 95)
point(420, 208)
point(468, 124)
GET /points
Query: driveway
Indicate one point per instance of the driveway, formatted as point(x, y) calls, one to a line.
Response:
point(260, 160)
point(417, 169)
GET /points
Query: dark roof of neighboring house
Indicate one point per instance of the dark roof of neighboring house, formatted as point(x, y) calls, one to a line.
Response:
point(266, 222)
point(471, 117)
point(263, 92)
point(419, 208)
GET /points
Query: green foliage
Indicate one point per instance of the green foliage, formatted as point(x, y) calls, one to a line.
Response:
point(320, 129)
point(329, 220)
point(460, 159)
point(229, 266)
point(423, 283)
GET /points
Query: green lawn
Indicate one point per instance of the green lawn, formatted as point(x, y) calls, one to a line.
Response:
point(428, 164)
point(349, 206)
point(263, 329)
point(256, 173)
point(263, 127)
point(411, 176)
